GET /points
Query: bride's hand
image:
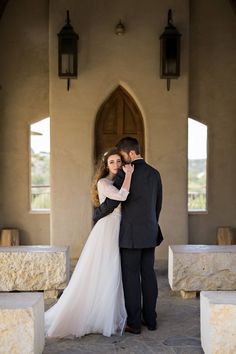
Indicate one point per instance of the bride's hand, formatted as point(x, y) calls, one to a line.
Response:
point(128, 168)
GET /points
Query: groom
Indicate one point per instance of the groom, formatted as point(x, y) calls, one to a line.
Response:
point(139, 235)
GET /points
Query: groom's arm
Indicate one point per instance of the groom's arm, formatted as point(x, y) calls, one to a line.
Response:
point(158, 209)
point(109, 205)
point(159, 196)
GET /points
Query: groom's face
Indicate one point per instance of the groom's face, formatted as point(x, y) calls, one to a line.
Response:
point(125, 156)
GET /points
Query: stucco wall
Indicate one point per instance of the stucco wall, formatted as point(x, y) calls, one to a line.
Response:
point(23, 100)
point(27, 66)
point(105, 61)
point(213, 102)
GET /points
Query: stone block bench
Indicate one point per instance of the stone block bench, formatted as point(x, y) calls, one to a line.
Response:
point(194, 268)
point(218, 322)
point(34, 268)
point(21, 323)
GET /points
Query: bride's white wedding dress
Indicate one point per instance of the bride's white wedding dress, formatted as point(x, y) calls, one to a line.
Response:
point(93, 301)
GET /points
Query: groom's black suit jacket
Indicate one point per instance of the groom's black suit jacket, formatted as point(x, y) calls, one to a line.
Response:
point(140, 212)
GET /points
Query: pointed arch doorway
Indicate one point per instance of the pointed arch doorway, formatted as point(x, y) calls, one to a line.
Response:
point(118, 116)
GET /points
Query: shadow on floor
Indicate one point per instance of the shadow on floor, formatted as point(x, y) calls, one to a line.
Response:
point(178, 331)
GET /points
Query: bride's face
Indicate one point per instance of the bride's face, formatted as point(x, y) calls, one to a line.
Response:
point(114, 163)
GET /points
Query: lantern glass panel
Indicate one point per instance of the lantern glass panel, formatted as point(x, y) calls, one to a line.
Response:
point(67, 64)
point(170, 67)
point(67, 45)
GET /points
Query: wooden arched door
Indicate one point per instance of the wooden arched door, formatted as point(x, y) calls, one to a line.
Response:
point(118, 117)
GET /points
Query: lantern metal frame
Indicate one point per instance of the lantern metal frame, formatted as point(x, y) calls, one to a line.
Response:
point(68, 52)
point(170, 52)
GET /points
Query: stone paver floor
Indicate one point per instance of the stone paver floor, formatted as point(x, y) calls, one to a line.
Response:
point(178, 331)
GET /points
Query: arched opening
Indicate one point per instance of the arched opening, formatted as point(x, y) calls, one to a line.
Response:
point(197, 166)
point(118, 116)
point(40, 166)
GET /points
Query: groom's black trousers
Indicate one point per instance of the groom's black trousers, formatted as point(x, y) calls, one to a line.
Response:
point(139, 281)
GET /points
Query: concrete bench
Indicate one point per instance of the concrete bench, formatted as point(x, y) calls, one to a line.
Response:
point(21, 323)
point(34, 268)
point(218, 322)
point(197, 267)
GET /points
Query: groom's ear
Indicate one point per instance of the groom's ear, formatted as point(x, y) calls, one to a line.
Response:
point(132, 154)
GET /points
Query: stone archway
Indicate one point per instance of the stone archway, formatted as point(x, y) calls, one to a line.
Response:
point(118, 116)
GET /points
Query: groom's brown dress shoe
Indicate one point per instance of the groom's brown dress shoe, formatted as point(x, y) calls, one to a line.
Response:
point(132, 330)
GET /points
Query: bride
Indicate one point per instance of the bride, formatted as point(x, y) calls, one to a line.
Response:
point(93, 301)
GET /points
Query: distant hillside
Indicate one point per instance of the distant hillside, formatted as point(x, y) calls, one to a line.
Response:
point(197, 184)
point(197, 165)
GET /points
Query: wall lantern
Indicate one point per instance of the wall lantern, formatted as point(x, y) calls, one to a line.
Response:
point(67, 52)
point(170, 52)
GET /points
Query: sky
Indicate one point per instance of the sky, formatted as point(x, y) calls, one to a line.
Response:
point(41, 143)
point(197, 140)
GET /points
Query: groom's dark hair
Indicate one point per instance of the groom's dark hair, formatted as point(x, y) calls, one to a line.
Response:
point(127, 144)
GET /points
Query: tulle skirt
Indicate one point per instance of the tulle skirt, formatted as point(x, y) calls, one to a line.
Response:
point(93, 301)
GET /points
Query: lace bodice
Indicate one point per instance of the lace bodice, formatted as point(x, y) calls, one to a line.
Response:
point(107, 190)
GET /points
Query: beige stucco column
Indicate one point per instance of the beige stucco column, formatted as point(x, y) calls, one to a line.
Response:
point(105, 61)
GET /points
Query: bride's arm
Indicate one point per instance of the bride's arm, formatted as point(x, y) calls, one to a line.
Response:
point(109, 205)
point(111, 192)
point(128, 169)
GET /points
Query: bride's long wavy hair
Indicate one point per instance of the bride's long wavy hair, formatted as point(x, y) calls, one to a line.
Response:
point(101, 172)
